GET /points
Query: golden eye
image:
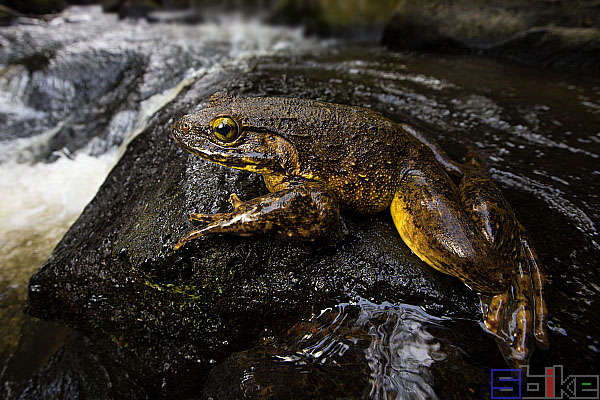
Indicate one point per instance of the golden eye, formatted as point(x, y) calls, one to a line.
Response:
point(225, 129)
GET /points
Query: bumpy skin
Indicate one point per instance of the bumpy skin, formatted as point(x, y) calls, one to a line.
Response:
point(316, 157)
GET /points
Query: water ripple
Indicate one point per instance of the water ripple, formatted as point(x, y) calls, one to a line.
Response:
point(394, 341)
point(554, 197)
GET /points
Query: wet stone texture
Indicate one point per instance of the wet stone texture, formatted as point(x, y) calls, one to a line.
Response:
point(227, 317)
point(114, 274)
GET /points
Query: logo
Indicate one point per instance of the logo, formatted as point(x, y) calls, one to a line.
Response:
point(511, 384)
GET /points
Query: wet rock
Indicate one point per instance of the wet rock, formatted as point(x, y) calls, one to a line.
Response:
point(115, 273)
point(131, 8)
point(7, 14)
point(36, 6)
point(92, 367)
point(561, 34)
point(154, 10)
point(82, 369)
point(53, 87)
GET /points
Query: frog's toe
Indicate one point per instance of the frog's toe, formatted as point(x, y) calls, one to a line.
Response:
point(204, 218)
point(180, 243)
point(510, 320)
point(518, 329)
point(235, 201)
point(493, 308)
point(538, 281)
point(521, 324)
point(195, 234)
point(184, 240)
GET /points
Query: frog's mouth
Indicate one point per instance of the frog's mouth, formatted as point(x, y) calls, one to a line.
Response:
point(241, 161)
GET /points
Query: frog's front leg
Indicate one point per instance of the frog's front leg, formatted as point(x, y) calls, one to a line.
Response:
point(301, 211)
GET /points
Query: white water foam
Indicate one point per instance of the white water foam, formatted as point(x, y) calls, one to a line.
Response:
point(39, 201)
point(45, 198)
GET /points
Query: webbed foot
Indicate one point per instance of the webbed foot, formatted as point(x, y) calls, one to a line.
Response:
point(518, 317)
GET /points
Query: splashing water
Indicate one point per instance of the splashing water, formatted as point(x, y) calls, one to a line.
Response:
point(49, 91)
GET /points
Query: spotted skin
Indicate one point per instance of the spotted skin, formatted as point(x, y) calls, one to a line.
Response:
point(319, 157)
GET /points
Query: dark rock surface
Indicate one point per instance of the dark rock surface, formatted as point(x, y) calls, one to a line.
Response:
point(7, 15)
point(198, 322)
point(83, 369)
point(114, 273)
point(561, 34)
point(36, 6)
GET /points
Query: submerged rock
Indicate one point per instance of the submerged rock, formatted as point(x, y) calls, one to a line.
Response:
point(561, 34)
point(359, 350)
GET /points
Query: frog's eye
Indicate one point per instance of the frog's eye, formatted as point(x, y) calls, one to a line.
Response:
point(225, 129)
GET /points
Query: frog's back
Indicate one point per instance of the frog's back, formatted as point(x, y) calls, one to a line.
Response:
point(354, 151)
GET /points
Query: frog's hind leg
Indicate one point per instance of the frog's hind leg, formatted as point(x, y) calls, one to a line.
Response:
point(470, 232)
point(431, 219)
point(518, 314)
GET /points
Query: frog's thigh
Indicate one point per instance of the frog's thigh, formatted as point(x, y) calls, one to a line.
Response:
point(430, 218)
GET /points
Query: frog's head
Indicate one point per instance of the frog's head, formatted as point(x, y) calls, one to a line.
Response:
point(219, 134)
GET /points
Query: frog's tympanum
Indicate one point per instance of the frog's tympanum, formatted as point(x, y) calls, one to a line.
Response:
point(318, 157)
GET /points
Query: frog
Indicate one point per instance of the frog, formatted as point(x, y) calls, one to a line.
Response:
point(318, 159)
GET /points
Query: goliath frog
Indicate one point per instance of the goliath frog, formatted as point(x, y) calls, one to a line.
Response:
point(316, 157)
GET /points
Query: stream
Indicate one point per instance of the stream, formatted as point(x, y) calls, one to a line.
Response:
point(74, 91)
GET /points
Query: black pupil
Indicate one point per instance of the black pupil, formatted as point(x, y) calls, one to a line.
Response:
point(223, 129)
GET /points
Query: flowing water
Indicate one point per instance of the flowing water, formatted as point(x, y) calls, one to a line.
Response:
point(75, 90)
point(79, 76)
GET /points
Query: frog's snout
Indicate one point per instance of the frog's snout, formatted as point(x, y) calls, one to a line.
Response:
point(183, 125)
point(182, 129)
